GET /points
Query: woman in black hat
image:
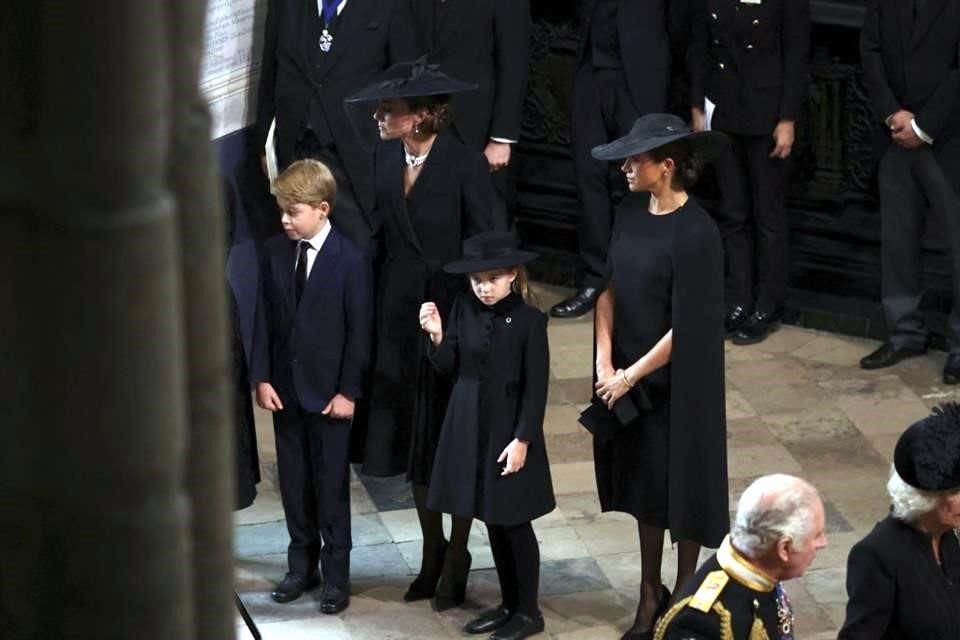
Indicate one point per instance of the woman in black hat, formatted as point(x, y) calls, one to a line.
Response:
point(491, 461)
point(431, 193)
point(659, 340)
point(903, 579)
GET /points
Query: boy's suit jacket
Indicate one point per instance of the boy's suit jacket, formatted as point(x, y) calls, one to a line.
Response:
point(312, 351)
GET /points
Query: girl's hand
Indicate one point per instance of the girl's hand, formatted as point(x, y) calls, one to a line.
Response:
point(612, 387)
point(430, 321)
point(515, 454)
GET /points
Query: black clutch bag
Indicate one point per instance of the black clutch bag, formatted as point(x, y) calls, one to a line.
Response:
point(604, 423)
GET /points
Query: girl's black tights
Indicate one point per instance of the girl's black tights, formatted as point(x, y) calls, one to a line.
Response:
point(517, 557)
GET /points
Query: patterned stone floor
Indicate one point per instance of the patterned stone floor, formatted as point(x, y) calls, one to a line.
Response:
point(796, 403)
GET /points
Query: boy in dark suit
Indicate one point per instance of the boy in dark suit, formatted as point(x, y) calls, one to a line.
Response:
point(311, 348)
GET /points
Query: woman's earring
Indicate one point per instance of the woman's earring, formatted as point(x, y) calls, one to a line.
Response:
point(416, 128)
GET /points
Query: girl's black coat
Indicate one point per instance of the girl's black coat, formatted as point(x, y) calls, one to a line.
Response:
point(502, 362)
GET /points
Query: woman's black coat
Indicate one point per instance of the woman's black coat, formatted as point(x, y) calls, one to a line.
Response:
point(896, 588)
point(502, 362)
point(418, 234)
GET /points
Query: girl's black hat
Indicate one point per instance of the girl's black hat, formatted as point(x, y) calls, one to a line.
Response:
point(490, 250)
point(655, 130)
point(927, 455)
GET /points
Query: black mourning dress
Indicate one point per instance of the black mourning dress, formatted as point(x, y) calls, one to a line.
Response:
point(669, 467)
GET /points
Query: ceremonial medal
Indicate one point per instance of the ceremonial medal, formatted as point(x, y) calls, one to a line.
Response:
point(326, 40)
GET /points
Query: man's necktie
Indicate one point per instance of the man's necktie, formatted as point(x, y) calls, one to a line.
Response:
point(300, 279)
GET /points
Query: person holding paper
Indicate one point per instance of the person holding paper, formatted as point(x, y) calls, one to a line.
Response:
point(749, 59)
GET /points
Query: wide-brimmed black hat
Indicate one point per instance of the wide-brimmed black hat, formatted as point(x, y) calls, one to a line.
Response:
point(927, 455)
point(408, 80)
point(490, 250)
point(656, 130)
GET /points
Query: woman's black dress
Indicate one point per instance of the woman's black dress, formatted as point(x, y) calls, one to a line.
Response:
point(668, 468)
point(420, 233)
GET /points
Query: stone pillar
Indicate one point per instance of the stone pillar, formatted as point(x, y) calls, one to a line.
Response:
point(210, 462)
point(95, 522)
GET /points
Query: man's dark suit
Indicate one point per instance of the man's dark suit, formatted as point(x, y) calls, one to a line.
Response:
point(910, 51)
point(310, 352)
point(617, 80)
point(482, 42)
point(750, 60)
point(487, 43)
point(304, 88)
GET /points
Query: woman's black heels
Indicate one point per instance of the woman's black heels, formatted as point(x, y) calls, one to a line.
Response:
point(662, 606)
point(424, 586)
point(452, 590)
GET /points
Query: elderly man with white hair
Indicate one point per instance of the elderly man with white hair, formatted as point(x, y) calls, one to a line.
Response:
point(903, 579)
point(738, 593)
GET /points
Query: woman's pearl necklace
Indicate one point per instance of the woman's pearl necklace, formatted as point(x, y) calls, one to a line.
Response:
point(414, 162)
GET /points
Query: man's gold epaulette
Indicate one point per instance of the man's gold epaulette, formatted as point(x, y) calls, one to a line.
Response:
point(709, 591)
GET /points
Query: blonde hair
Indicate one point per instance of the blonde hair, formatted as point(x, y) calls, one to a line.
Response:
point(305, 181)
point(521, 284)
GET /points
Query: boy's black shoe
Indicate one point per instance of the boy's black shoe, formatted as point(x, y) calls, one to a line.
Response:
point(293, 585)
point(334, 599)
point(758, 327)
point(888, 355)
point(489, 620)
point(520, 626)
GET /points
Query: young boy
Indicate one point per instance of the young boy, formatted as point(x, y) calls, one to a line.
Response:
point(311, 348)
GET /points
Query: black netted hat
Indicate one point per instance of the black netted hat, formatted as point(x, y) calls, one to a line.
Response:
point(410, 80)
point(927, 455)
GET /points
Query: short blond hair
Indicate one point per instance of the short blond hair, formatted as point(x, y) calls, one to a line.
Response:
point(305, 181)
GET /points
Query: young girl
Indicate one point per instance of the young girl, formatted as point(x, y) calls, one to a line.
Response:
point(491, 462)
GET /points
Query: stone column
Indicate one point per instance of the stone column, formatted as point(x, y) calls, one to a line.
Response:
point(210, 463)
point(94, 526)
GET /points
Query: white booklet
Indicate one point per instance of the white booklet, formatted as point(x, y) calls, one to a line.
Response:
point(708, 108)
point(269, 149)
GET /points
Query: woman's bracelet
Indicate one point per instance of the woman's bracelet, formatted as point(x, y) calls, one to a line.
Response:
point(623, 376)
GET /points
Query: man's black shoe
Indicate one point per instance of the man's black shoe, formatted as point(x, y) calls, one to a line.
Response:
point(489, 620)
point(520, 626)
point(757, 327)
point(735, 319)
point(334, 599)
point(888, 355)
point(293, 585)
point(576, 305)
point(951, 370)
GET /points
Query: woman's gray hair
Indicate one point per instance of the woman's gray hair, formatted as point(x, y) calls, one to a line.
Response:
point(774, 507)
point(908, 503)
